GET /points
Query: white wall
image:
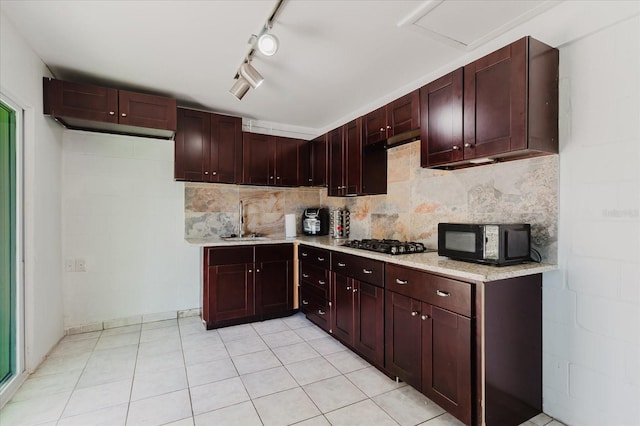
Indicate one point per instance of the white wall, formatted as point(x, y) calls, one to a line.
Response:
point(21, 72)
point(124, 215)
point(592, 305)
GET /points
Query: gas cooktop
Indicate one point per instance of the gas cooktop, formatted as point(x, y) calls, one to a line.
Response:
point(387, 246)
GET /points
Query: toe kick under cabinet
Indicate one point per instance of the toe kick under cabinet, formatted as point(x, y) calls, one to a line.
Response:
point(247, 283)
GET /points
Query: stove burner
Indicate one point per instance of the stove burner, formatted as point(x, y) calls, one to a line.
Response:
point(386, 246)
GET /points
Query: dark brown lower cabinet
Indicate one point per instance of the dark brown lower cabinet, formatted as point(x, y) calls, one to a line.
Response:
point(315, 286)
point(246, 283)
point(430, 349)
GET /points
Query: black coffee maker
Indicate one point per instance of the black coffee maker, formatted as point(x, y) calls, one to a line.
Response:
point(315, 221)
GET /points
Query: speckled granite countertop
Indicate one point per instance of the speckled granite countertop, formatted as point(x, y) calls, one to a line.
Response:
point(430, 262)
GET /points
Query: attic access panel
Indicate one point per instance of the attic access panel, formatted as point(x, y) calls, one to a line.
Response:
point(468, 24)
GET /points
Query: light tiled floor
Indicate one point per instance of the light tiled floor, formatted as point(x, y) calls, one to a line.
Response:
point(278, 372)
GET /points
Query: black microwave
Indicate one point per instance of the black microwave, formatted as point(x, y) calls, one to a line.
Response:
point(495, 244)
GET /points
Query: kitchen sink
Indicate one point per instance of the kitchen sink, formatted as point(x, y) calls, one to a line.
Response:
point(246, 238)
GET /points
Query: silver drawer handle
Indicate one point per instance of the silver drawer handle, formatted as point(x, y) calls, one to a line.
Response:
point(321, 282)
point(305, 275)
point(367, 271)
point(342, 265)
point(424, 317)
point(443, 293)
point(401, 282)
point(304, 254)
point(304, 302)
point(414, 313)
point(348, 288)
point(320, 259)
point(321, 312)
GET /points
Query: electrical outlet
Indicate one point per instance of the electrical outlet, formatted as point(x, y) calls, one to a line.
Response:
point(81, 265)
point(69, 265)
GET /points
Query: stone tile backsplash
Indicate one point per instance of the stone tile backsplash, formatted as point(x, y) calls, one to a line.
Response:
point(416, 200)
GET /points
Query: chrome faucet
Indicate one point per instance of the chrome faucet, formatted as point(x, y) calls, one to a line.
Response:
point(240, 220)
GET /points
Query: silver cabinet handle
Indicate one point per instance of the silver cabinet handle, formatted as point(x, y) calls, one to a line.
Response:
point(467, 145)
point(401, 282)
point(124, 114)
point(305, 275)
point(304, 254)
point(367, 271)
point(348, 287)
point(320, 259)
point(443, 293)
point(424, 317)
point(342, 265)
point(321, 312)
point(456, 147)
point(304, 302)
point(278, 177)
point(257, 270)
point(388, 127)
point(382, 129)
point(355, 290)
point(112, 113)
point(206, 173)
point(321, 282)
point(214, 173)
point(414, 313)
point(250, 270)
point(270, 177)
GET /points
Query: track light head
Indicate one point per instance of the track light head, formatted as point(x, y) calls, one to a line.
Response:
point(250, 74)
point(239, 88)
point(268, 44)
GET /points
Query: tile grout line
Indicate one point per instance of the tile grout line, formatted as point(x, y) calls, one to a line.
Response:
point(186, 372)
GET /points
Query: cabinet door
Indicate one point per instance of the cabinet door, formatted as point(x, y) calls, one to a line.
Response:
point(274, 287)
point(495, 102)
point(446, 360)
point(319, 161)
point(375, 126)
point(286, 166)
point(441, 121)
point(142, 110)
point(403, 114)
point(258, 159)
point(226, 149)
point(342, 314)
point(84, 101)
point(192, 146)
point(403, 338)
point(305, 174)
point(368, 336)
point(231, 292)
point(353, 157)
point(336, 162)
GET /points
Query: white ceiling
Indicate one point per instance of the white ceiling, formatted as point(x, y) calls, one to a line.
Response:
point(337, 59)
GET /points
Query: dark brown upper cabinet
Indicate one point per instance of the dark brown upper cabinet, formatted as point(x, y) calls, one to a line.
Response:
point(95, 108)
point(208, 147)
point(345, 159)
point(441, 129)
point(318, 160)
point(509, 108)
point(270, 160)
point(393, 119)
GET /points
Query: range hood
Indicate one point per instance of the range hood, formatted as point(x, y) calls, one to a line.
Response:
point(403, 138)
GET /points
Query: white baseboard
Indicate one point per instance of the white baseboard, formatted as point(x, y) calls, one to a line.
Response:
point(132, 320)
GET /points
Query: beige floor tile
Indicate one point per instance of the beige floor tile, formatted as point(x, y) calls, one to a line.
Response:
point(347, 361)
point(36, 387)
point(295, 353)
point(372, 382)
point(364, 413)
point(245, 346)
point(270, 327)
point(97, 397)
point(240, 414)
point(117, 340)
point(34, 411)
point(312, 370)
point(327, 345)
point(237, 332)
point(255, 361)
point(282, 338)
point(159, 410)
point(146, 385)
point(310, 333)
point(407, 406)
point(284, 408)
point(110, 416)
point(334, 393)
point(266, 382)
point(213, 396)
point(209, 372)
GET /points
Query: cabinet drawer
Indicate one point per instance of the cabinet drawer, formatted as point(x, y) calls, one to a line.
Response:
point(273, 252)
point(315, 276)
point(360, 268)
point(314, 306)
point(315, 256)
point(228, 255)
point(439, 291)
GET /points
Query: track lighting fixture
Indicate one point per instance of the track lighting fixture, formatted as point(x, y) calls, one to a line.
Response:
point(267, 44)
point(250, 74)
point(240, 88)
